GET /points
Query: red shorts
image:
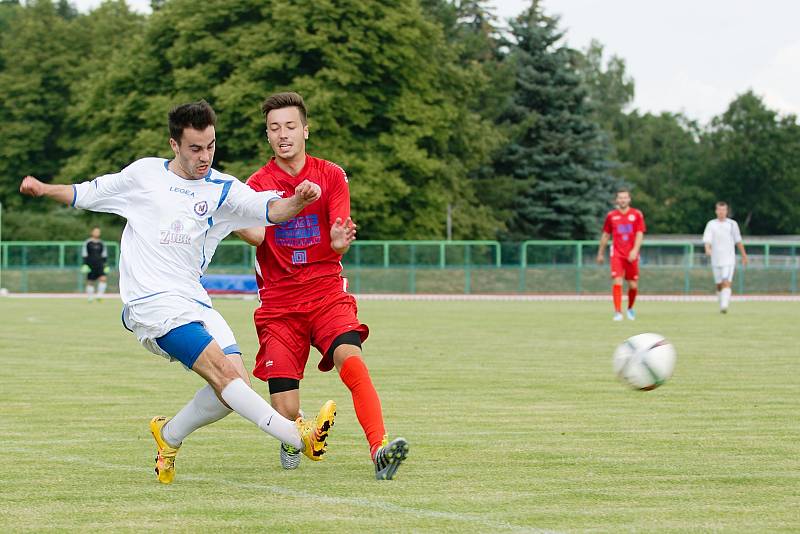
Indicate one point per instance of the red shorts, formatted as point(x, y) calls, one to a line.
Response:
point(285, 335)
point(623, 268)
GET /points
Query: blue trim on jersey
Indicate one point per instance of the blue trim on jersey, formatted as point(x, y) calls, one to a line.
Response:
point(185, 343)
point(74, 195)
point(267, 211)
point(122, 318)
point(225, 190)
point(205, 235)
point(166, 164)
point(147, 296)
point(208, 178)
point(232, 349)
point(200, 302)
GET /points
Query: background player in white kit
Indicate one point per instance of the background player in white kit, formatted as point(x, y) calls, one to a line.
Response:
point(177, 212)
point(721, 238)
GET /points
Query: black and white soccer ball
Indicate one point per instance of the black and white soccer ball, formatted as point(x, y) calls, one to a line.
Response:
point(645, 361)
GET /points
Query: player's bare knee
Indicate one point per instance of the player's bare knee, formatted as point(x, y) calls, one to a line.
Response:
point(238, 365)
point(215, 367)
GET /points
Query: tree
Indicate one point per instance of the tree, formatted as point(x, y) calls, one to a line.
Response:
point(557, 157)
point(754, 164)
point(610, 89)
point(395, 119)
point(662, 159)
point(39, 60)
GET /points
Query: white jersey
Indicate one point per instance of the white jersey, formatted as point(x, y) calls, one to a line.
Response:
point(174, 224)
point(723, 237)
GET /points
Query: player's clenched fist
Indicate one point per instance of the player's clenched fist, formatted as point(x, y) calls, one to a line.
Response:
point(31, 186)
point(307, 192)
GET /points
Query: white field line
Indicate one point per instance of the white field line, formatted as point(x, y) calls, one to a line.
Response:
point(477, 521)
point(472, 297)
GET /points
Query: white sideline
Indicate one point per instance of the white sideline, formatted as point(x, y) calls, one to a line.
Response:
point(462, 297)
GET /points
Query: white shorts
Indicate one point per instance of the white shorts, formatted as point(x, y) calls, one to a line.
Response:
point(156, 317)
point(723, 273)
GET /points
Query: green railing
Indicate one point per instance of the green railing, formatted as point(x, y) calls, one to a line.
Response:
point(450, 267)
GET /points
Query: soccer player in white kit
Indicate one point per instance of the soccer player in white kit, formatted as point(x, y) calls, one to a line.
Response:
point(721, 239)
point(177, 212)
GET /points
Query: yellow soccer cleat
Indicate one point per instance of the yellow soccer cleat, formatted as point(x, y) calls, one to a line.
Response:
point(165, 458)
point(314, 433)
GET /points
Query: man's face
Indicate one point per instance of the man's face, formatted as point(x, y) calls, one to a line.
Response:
point(623, 200)
point(722, 212)
point(195, 152)
point(286, 132)
point(96, 233)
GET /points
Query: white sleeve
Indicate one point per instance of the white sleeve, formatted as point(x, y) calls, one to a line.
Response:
point(707, 237)
point(107, 193)
point(737, 235)
point(247, 208)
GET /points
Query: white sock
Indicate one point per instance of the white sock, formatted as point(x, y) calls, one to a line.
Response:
point(719, 298)
point(725, 297)
point(252, 407)
point(101, 288)
point(90, 291)
point(204, 409)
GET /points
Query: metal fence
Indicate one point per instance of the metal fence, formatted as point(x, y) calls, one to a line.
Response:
point(450, 267)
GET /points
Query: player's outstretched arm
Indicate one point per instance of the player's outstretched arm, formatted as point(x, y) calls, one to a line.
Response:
point(253, 236)
point(342, 234)
point(283, 209)
point(32, 187)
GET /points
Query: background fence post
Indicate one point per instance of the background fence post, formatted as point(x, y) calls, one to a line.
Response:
point(467, 270)
point(578, 266)
point(412, 272)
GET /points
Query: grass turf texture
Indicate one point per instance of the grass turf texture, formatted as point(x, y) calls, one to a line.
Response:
point(514, 418)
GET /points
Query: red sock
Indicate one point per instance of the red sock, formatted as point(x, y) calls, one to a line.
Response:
point(616, 290)
point(631, 297)
point(355, 376)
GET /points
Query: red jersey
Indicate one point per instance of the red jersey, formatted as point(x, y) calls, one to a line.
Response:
point(296, 264)
point(623, 228)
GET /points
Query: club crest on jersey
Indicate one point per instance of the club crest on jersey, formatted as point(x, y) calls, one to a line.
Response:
point(631, 217)
point(201, 208)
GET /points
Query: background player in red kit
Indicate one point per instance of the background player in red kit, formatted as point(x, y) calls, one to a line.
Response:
point(303, 296)
point(625, 225)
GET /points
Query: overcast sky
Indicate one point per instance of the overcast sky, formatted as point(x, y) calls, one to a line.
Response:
point(693, 56)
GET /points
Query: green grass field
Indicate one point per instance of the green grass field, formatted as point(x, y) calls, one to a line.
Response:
point(515, 420)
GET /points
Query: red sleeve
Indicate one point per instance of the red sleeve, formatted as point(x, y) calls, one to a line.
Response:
point(640, 226)
point(254, 182)
point(607, 225)
point(338, 194)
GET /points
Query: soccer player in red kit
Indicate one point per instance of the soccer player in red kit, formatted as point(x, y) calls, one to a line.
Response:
point(303, 296)
point(625, 225)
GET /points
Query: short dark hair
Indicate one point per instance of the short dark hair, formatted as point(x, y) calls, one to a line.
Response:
point(285, 100)
point(623, 190)
point(721, 203)
point(198, 115)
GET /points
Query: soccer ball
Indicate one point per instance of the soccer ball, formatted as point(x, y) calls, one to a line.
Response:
point(645, 361)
